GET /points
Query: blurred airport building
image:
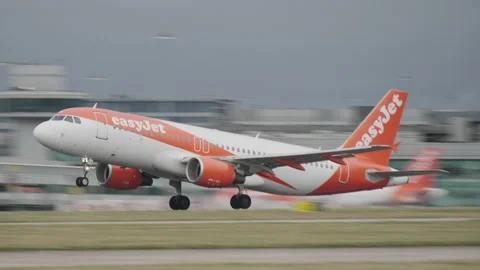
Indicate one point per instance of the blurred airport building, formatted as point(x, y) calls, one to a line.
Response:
point(36, 92)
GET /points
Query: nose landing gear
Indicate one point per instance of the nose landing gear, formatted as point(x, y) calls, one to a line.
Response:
point(83, 181)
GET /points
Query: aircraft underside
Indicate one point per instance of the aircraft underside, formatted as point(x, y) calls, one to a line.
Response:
point(176, 202)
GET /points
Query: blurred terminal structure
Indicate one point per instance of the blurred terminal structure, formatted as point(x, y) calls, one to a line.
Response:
point(36, 92)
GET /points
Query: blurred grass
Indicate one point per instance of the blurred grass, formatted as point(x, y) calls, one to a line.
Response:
point(397, 212)
point(304, 266)
point(244, 235)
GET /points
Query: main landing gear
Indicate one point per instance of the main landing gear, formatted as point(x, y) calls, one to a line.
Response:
point(240, 200)
point(179, 201)
point(83, 181)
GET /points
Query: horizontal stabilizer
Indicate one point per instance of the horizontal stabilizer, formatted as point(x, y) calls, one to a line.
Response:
point(405, 173)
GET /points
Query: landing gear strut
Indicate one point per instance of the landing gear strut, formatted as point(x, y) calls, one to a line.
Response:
point(83, 181)
point(179, 201)
point(240, 200)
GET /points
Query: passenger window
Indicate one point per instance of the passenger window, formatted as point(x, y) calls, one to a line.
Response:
point(69, 119)
point(58, 117)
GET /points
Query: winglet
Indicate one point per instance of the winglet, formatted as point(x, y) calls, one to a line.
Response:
point(95, 105)
point(258, 134)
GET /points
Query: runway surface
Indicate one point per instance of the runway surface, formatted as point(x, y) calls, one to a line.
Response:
point(178, 222)
point(136, 257)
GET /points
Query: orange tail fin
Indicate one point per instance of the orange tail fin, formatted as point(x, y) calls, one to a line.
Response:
point(416, 190)
point(427, 159)
point(380, 126)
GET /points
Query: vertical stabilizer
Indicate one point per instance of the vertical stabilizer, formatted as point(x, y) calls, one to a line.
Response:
point(380, 127)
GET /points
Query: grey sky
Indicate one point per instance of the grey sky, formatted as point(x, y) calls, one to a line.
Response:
point(275, 53)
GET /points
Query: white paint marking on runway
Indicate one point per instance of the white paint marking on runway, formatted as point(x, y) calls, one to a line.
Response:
point(284, 255)
point(180, 222)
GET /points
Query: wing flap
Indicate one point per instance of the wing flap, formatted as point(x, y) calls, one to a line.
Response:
point(43, 169)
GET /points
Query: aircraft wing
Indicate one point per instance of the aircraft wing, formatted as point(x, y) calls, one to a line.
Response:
point(295, 160)
point(42, 169)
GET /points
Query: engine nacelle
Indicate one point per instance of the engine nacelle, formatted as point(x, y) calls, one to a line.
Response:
point(116, 177)
point(208, 172)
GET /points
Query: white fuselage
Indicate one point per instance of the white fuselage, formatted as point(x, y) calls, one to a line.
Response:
point(113, 145)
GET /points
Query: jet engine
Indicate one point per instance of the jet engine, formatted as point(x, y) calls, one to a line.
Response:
point(122, 178)
point(211, 173)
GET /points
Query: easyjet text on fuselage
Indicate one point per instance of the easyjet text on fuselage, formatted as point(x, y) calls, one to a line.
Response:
point(139, 126)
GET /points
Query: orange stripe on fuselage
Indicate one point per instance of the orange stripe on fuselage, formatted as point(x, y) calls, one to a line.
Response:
point(356, 178)
point(173, 136)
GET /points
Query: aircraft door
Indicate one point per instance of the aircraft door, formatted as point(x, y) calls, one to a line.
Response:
point(102, 126)
point(344, 172)
point(197, 144)
point(200, 145)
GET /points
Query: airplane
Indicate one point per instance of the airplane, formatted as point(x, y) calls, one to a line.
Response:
point(419, 190)
point(131, 150)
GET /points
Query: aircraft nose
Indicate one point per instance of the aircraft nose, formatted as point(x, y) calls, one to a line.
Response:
point(40, 133)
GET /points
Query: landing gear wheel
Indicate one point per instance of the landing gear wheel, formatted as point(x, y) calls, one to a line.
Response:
point(78, 181)
point(234, 202)
point(84, 181)
point(173, 203)
point(240, 201)
point(183, 202)
point(244, 201)
point(81, 181)
point(179, 202)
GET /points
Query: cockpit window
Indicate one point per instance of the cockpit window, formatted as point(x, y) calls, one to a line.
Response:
point(69, 119)
point(77, 120)
point(58, 117)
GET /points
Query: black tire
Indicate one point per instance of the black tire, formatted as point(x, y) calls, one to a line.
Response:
point(78, 181)
point(173, 203)
point(184, 202)
point(234, 202)
point(84, 181)
point(244, 201)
